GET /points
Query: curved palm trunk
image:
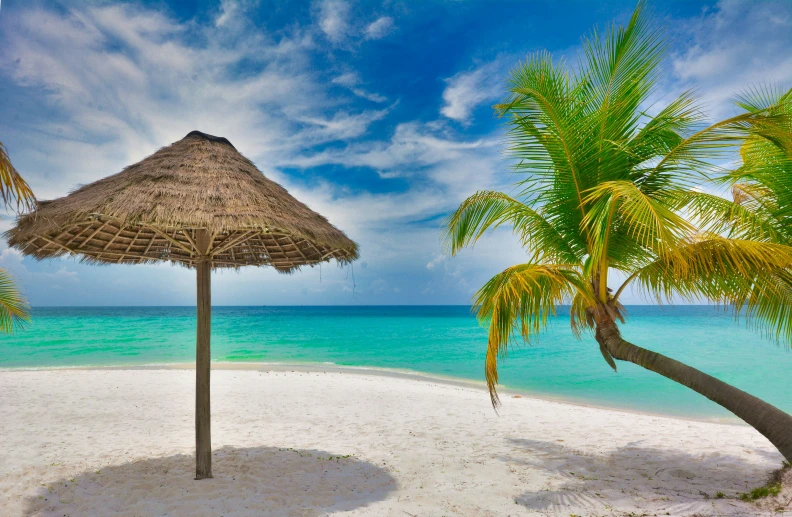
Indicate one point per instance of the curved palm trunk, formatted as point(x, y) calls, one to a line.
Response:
point(773, 423)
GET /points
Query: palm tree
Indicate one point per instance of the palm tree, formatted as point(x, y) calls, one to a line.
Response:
point(609, 188)
point(13, 191)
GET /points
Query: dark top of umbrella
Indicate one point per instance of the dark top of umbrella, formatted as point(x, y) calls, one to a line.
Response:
point(152, 210)
point(211, 138)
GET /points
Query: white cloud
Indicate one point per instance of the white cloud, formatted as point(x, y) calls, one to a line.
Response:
point(736, 45)
point(468, 90)
point(333, 19)
point(435, 261)
point(232, 12)
point(351, 81)
point(429, 149)
point(341, 126)
point(348, 79)
point(379, 28)
point(155, 84)
point(341, 28)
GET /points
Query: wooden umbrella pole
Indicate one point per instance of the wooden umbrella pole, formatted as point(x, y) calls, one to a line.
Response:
point(203, 430)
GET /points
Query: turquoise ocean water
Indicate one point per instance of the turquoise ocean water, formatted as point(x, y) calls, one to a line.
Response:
point(439, 340)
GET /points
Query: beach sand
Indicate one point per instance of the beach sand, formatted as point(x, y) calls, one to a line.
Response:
point(309, 443)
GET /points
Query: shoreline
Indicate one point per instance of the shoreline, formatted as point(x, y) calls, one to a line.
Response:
point(381, 372)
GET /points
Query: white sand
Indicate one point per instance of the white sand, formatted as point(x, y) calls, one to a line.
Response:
point(119, 442)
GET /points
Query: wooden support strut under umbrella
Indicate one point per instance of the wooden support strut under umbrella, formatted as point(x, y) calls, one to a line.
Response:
point(198, 203)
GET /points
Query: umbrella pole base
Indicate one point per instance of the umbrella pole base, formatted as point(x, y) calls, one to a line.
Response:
point(203, 431)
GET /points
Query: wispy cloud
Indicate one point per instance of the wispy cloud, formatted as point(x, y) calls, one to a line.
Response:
point(733, 46)
point(379, 28)
point(467, 90)
point(334, 19)
point(140, 79)
point(431, 150)
point(233, 13)
point(352, 82)
point(341, 27)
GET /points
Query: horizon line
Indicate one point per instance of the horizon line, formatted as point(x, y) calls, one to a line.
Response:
point(346, 305)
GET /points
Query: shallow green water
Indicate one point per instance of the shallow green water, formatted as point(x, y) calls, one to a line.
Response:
point(431, 339)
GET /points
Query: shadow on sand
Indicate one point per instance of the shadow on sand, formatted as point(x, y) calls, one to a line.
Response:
point(657, 481)
point(247, 481)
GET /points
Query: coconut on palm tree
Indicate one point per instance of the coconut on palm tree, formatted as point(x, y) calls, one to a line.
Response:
point(608, 193)
point(13, 191)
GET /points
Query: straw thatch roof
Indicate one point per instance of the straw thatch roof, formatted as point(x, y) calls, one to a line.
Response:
point(151, 211)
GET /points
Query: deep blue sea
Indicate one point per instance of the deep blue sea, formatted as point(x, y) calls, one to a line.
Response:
point(438, 340)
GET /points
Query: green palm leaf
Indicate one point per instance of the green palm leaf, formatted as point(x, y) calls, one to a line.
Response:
point(14, 311)
point(13, 189)
point(650, 220)
point(487, 210)
point(722, 216)
point(747, 275)
point(523, 297)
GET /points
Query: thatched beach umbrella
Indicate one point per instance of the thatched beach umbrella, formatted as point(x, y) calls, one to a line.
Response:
point(198, 203)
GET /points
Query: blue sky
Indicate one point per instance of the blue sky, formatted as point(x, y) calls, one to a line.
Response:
point(376, 114)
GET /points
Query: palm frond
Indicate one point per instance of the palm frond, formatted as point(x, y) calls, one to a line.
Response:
point(718, 215)
point(619, 73)
point(763, 182)
point(523, 297)
point(488, 210)
point(580, 319)
point(650, 221)
point(13, 189)
point(700, 152)
point(764, 97)
point(750, 195)
point(661, 134)
point(768, 305)
point(742, 274)
point(547, 135)
point(14, 310)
